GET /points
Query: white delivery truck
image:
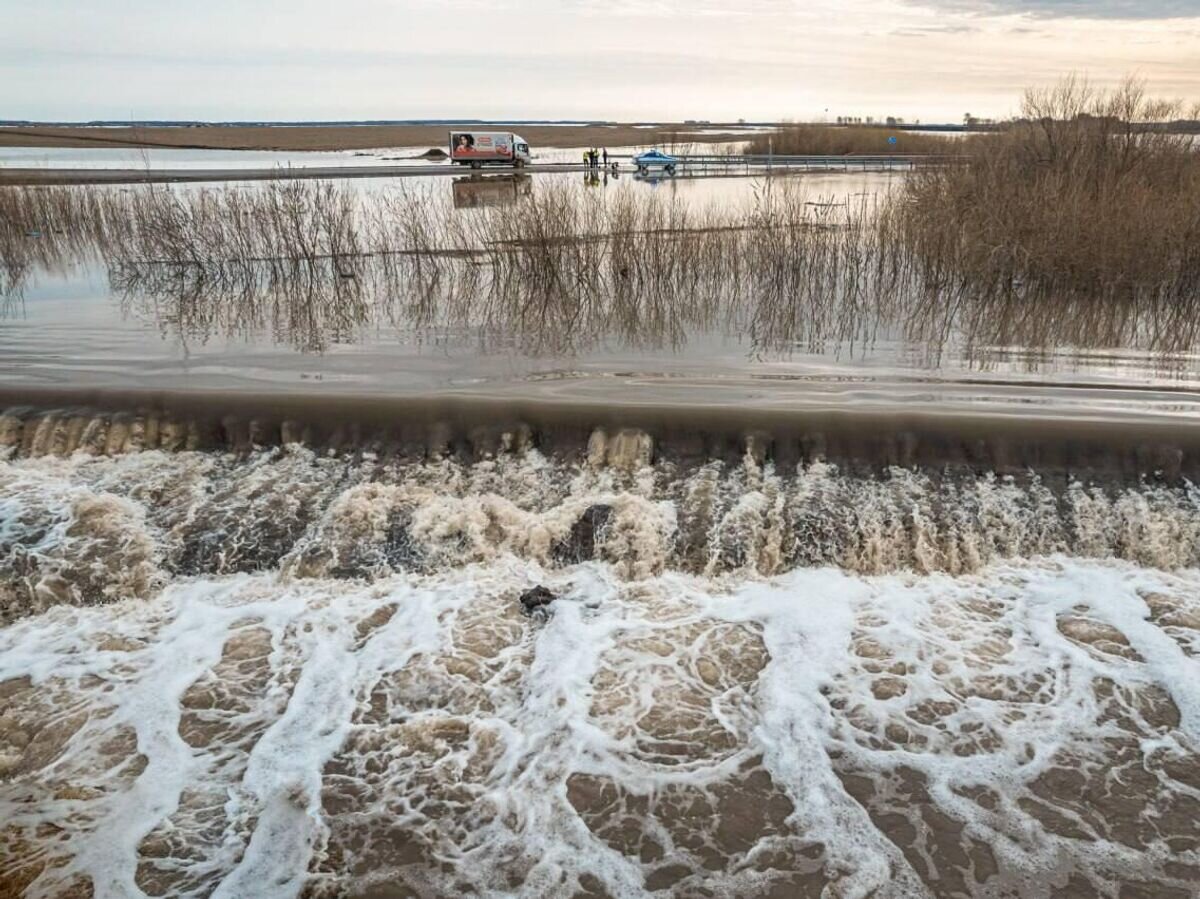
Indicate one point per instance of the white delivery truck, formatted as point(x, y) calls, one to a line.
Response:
point(480, 148)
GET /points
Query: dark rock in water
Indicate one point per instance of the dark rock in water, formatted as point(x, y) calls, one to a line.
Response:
point(403, 553)
point(580, 544)
point(397, 552)
point(537, 599)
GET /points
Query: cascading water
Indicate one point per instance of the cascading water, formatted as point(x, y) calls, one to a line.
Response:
point(297, 670)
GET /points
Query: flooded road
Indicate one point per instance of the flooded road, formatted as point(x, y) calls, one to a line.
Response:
point(368, 574)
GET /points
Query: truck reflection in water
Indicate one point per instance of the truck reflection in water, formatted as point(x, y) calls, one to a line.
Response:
point(483, 191)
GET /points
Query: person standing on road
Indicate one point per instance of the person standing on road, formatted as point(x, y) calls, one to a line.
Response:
point(606, 157)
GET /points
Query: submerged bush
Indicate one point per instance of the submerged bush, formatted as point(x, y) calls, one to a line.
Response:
point(1086, 197)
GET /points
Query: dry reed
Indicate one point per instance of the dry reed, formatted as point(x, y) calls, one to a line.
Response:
point(855, 140)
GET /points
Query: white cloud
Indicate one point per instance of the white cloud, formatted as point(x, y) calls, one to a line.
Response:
point(1076, 9)
point(661, 59)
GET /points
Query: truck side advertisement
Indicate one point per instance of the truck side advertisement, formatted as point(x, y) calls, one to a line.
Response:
point(480, 145)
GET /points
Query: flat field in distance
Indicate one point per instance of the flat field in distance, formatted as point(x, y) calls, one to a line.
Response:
point(351, 137)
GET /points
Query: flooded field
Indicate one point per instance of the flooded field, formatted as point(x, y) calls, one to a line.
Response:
point(563, 536)
point(358, 320)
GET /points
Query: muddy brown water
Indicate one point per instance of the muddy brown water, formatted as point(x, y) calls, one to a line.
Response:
point(887, 619)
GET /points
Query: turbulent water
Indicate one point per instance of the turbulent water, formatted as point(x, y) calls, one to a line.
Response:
point(297, 671)
point(356, 544)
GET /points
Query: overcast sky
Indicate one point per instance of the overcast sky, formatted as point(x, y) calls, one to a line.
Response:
point(611, 59)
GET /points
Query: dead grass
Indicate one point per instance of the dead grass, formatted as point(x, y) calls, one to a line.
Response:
point(856, 140)
point(313, 260)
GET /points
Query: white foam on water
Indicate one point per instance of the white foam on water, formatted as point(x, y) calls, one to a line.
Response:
point(809, 621)
point(83, 529)
point(960, 707)
point(431, 708)
point(808, 624)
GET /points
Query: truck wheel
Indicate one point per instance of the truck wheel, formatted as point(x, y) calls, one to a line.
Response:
point(476, 165)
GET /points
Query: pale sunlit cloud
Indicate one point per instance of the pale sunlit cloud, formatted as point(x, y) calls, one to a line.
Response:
point(1076, 9)
point(577, 59)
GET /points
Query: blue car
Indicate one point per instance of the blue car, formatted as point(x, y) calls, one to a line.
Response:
point(655, 159)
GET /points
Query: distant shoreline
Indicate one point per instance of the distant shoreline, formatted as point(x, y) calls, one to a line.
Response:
point(356, 137)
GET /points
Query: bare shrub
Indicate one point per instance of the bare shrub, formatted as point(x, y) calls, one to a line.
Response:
point(1081, 202)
